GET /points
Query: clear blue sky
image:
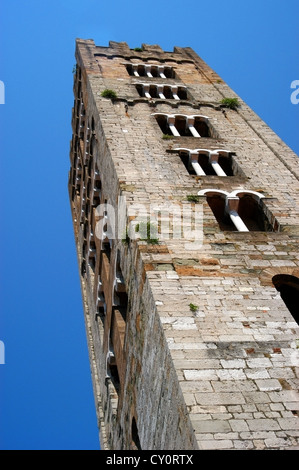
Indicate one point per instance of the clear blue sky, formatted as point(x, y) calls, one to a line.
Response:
point(46, 399)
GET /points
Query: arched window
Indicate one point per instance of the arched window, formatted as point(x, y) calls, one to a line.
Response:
point(92, 252)
point(101, 307)
point(162, 91)
point(112, 369)
point(150, 70)
point(183, 125)
point(104, 228)
point(81, 120)
point(288, 287)
point(202, 162)
point(239, 210)
point(251, 212)
point(217, 204)
point(97, 188)
point(120, 297)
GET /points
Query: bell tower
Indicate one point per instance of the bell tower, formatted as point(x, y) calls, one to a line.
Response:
point(185, 207)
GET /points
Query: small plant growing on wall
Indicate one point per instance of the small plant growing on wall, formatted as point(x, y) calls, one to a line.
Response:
point(109, 94)
point(167, 137)
point(193, 198)
point(193, 308)
point(138, 49)
point(148, 232)
point(231, 103)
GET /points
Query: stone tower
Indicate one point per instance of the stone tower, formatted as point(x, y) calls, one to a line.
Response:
point(185, 211)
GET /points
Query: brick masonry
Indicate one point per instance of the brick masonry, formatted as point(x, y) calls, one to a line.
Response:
point(223, 375)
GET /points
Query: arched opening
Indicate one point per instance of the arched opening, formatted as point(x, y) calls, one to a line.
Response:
point(165, 71)
point(181, 126)
point(92, 253)
point(129, 69)
point(204, 161)
point(140, 89)
point(242, 210)
point(184, 156)
point(182, 93)
point(251, 213)
point(202, 127)
point(106, 249)
point(112, 370)
point(136, 69)
point(101, 307)
point(217, 205)
point(97, 187)
point(153, 91)
point(83, 267)
point(135, 436)
point(168, 71)
point(167, 92)
point(288, 287)
point(162, 121)
point(226, 164)
point(121, 303)
point(90, 164)
point(120, 297)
